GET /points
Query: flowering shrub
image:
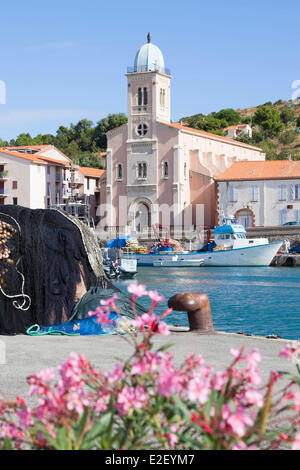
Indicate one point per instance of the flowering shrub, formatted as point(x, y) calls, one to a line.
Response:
point(147, 402)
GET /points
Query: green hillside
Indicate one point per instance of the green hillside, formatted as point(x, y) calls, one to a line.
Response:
point(276, 126)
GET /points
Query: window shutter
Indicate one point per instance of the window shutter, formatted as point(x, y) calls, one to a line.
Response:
point(254, 193)
point(292, 192)
point(282, 192)
point(233, 193)
point(297, 215)
point(282, 216)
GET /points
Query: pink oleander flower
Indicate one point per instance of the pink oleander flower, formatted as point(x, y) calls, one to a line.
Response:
point(289, 351)
point(151, 323)
point(253, 358)
point(198, 390)
point(154, 296)
point(169, 381)
point(110, 302)
point(102, 315)
point(296, 399)
point(138, 290)
point(296, 442)
point(242, 446)
point(76, 401)
point(101, 403)
point(219, 381)
point(254, 397)
point(172, 436)
point(130, 398)
point(117, 374)
point(237, 421)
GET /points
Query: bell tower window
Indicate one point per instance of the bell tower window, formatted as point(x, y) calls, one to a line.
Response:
point(142, 96)
point(165, 170)
point(142, 129)
point(145, 96)
point(119, 172)
point(142, 170)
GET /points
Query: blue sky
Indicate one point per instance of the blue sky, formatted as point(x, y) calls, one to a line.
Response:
point(65, 60)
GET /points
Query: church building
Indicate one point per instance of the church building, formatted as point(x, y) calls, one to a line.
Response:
point(157, 168)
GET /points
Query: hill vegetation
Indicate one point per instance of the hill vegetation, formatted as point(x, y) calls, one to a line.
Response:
point(82, 142)
point(275, 126)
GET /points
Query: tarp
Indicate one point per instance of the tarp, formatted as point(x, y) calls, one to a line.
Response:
point(118, 242)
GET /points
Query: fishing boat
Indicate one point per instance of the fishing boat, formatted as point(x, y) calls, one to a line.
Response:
point(229, 247)
point(117, 266)
point(176, 262)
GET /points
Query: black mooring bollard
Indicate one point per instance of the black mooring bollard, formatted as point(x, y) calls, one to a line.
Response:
point(197, 306)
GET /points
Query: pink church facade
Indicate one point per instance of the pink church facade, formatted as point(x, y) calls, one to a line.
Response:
point(159, 172)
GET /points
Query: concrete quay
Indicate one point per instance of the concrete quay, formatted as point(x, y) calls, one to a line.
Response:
point(22, 355)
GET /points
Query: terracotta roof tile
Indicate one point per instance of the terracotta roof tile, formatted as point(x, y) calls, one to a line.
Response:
point(25, 156)
point(86, 171)
point(209, 135)
point(261, 170)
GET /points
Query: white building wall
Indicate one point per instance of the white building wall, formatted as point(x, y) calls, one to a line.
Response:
point(18, 170)
point(272, 207)
point(38, 186)
point(55, 154)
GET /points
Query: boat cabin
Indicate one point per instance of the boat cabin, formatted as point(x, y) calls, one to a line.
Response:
point(233, 236)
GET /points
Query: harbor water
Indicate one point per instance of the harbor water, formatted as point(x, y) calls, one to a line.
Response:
point(249, 300)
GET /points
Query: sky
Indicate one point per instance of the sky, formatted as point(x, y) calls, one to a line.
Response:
point(65, 60)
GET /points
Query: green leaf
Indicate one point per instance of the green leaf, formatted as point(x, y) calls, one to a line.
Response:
point(165, 347)
point(7, 444)
point(101, 427)
point(61, 442)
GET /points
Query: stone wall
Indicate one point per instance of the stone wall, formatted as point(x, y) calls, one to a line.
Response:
point(275, 234)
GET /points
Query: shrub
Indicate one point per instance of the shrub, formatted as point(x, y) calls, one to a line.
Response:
point(287, 137)
point(147, 402)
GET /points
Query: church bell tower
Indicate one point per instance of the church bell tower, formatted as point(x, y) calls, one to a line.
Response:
point(148, 92)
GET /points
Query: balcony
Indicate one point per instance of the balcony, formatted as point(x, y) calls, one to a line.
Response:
point(133, 69)
point(3, 175)
point(3, 192)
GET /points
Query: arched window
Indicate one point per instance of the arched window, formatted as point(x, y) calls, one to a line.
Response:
point(162, 96)
point(140, 97)
point(145, 96)
point(119, 172)
point(245, 217)
point(142, 217)
point(142, 170)
point(165, 170)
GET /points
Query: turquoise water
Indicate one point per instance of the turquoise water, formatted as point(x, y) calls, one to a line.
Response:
point(258, 301)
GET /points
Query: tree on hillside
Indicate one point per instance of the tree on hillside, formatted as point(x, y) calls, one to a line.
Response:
point(230, 115)
point(287, 137)
point(268, 120)
point(212, 124)
point(105, 125)
point(22, 139)
point(82, 133)
point(287, 115)
point(193, 121)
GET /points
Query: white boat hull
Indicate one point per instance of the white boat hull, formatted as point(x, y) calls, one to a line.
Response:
point(184, 263)
point(257, 255)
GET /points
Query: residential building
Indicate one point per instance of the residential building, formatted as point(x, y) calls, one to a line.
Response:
point(262, 193)
point(40, 176)
point(233, 132)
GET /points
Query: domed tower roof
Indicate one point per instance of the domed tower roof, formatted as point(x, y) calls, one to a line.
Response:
point(149, 58)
